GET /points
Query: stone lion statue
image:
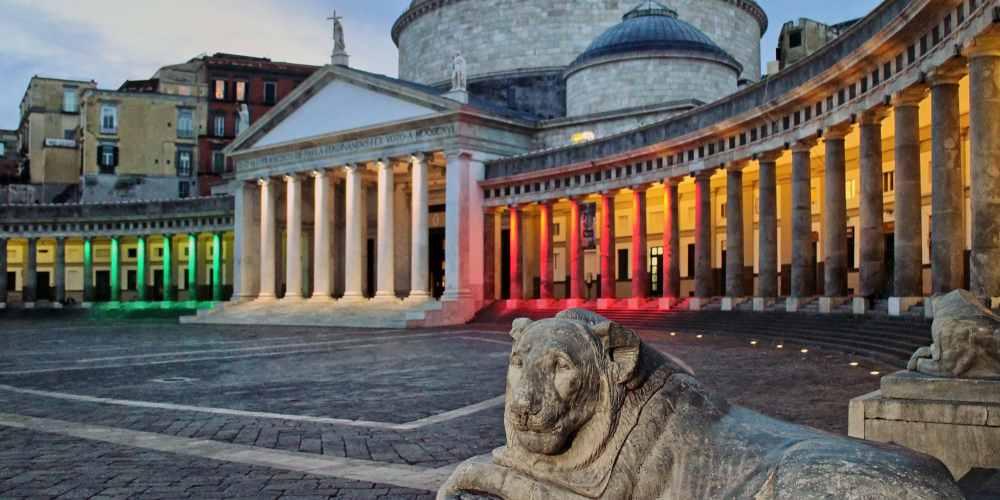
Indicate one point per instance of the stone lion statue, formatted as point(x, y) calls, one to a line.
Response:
point(592, 412)
point(966, 340)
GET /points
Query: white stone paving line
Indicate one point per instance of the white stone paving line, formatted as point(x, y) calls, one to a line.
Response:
point(405, 476)
point(408, 426)
point(211, 358)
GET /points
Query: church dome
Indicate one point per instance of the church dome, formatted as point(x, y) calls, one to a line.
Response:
point(651, 27)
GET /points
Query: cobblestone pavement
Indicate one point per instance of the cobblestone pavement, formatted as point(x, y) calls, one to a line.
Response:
point(384, 399)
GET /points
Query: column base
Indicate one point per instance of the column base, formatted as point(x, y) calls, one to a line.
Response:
point(636, 303)
point(322, 300)
point(667, 303)
point(899, 306)
point(455, 296)
point(607, 303)
point(269, 297)
point(56, 305)
point(730, 303)
point(87, 305)
point(828, 304)
point(760, 304)
point(860, 306)
point(29, 305)
point(292, 298)
point(353, 298)
point(386, 298)
point(513, 303)
point(795, 304)
point(697, 303)
point(3, 305)
point(418, 297)
point(544, 303)
point(574, 303)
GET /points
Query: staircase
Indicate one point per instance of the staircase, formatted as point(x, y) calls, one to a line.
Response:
point(889, 340)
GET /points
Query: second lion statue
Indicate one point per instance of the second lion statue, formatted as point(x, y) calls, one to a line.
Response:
point(592, 412)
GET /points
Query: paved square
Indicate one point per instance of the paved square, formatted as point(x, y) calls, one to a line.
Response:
point(153, 409)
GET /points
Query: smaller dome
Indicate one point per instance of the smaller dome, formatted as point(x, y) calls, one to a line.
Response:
point(651, 26)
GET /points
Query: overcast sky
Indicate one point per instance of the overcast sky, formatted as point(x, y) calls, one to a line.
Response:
point(113, 40)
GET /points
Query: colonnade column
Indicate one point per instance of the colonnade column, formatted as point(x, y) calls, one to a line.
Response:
point(576, 259)
point(908, 283)
point(268, 233)
point(29, 290)
point(60, 270)
point(803, 253)
point(419, 257)
point(947, 196)
point(545, 263)
point(169, 287)
point(984, 131)
point(193, 264)
point(143, 268)
point(671, 244)
point(703, 240)
point(835, 250)
point(3, 273)
point(293, 250)
point(871, 276)
point(116, 283)
point(322, 226)
point(386, 268)
point(767, 229)
point(354, 246)
point(735, 230)
point(246, 242)
point(640, 273)
point(516, 277)
point(607, 250)
point(88, 270)
point(217, 267)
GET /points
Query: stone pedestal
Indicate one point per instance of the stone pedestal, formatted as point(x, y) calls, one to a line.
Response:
point(760, 304)
point(698, 303)
point(828, 304)
point(898, 306)
point(667, 303)
point(730, 303)
point(607, 303)
point(860, 306)
point(795, 304)
point(637, 303)
point(955, 420)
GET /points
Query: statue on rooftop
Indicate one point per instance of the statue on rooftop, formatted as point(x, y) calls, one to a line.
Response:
point(458, 73)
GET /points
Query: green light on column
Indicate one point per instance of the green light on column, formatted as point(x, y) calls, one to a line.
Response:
point(141, 278)
point(88, 270)
point(217, 267)
point(115, 280)
point(168, 268)
point(192, 269)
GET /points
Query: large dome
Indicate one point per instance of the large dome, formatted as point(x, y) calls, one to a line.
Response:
point(651, 27)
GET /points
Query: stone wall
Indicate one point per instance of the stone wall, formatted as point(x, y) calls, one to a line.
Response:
point(646, 80)
point(502, 36)
point(100, 188)
point(558, 133)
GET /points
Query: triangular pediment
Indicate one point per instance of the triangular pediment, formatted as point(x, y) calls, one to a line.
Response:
point(338, 100)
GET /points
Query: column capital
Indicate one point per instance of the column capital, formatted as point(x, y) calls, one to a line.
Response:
point(673, 181)
point(640, 187)
point(804, 145)
point(837, 132)
point(911, 96)
point(290, 178)
point(985, 45)
point(948, 73)
point(737, 166)
point(703, 175)
point(769, 156)
point(320, 173)
point(420, 157)
point(263, 181)
point(874, 116)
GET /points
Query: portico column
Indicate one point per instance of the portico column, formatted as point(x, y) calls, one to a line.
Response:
point(703, 239)
point(217, 267)
point(803, 254)
point(640, 273)
point(871, 278)
point(834, 218)
point(60, 270)
point(386, 267)
point(322, 225)
point(193, 264)
point(516, 277)
point(908, 283)
point(947, 196)
point(293, 250)
point(30, 289)
point(246, 240)
point(116, 282)
point(268, 232)
point(143, 267)
point(545, 270)
point(984, 131)
point(88, 270)
point(671, 244)
point(354, 245)
point(607, 250)
point(576, 259)
point(767, 229)
point(735, 264)
point(169, 287)
point(3, 273)
point(419, 257)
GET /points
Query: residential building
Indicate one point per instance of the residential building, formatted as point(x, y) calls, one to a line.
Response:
point(50, 117)
point(138, 145)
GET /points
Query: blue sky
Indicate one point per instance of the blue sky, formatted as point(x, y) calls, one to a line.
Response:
point(113, 40)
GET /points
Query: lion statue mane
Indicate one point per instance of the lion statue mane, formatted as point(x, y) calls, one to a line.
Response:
point(592, 412)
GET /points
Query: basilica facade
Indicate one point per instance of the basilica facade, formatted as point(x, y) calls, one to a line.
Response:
point(624, 154)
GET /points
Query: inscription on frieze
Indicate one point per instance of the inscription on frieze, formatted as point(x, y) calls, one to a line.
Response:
point(333, 150)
